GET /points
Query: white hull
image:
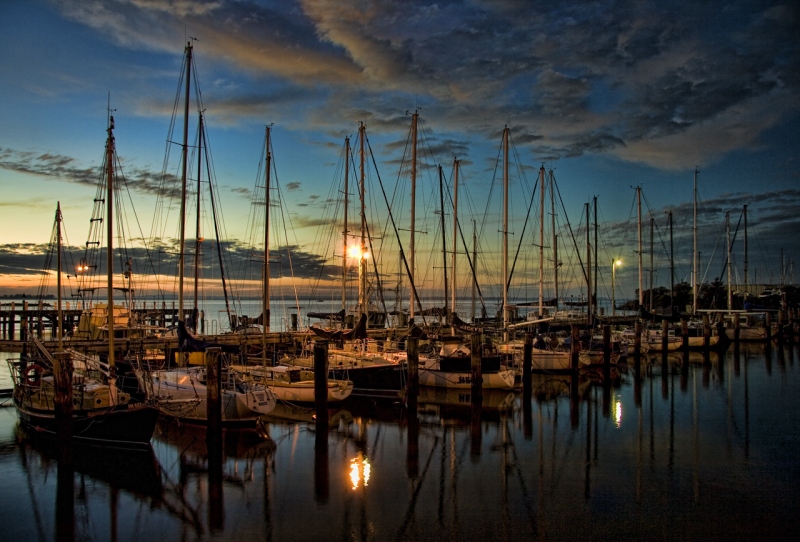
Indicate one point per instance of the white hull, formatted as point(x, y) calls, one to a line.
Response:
point(748, 333)
point(549, 360)
point(182, 393)
point(503, 379)
point(699, 342)
point(294, 384)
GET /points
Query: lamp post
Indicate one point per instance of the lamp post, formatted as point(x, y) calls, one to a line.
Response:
point(614, 264)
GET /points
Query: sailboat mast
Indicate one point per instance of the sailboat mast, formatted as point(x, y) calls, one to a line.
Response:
point(555, 235)
point(59, 317)
point(474, 266)
point(505, 233)
point(268, 166)
point(110, 242)
point(362, 264)
point(728, 242)
point(184, 159)
point(652, 227)
point(589, 307)
point(197, 229)
point(671, 265)
point(455, 235)
point(444, 244)
point(411, 253)
point(541, 241)
point(344, 221)
point(695, 281)
point(639, 230)
point(745, 251)
point(596, 260)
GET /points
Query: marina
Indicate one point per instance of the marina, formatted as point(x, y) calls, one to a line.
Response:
point(405, 327)
point(694, 450)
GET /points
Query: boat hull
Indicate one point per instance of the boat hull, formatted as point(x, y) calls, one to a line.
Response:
point(127, 426)
point(502, 379)
point(387, 379)
point(184, 396)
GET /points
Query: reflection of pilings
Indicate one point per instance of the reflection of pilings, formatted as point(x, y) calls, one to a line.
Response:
point(637, 380)
point(412, 443)
point(216, 514)
point(62, 376)
point(587, 484)
point(527, 413)
point(574, 401)
point(321, 466)
point(65, 501)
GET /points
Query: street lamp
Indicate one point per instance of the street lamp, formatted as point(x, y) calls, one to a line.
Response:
point(614, 264)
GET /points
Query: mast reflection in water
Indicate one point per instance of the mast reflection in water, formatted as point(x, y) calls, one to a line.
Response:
point(658, 449)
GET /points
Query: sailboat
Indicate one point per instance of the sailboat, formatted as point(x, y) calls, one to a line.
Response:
point(547, 355)
point(102, 414)
point(351, 355)
point(182, 392)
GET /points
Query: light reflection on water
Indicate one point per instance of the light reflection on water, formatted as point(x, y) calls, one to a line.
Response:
point(703, 450)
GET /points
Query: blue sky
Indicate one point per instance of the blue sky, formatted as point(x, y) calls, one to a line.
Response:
point(609, 95)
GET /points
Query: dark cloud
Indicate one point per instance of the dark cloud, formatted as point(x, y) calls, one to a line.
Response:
point(64, 169)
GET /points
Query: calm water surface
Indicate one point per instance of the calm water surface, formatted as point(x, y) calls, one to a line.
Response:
point(709, 451)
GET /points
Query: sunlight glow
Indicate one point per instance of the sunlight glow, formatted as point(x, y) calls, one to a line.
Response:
point(354, 251)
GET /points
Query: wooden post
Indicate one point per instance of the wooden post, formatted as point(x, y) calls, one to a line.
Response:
point(781, 323)
point(664, 335)
point(736, 330)
point(476, 348)
point(163, 317)
point(412, 352)
point(768, 325)
point(294, 322)
point(62, 379)
point(706, 332)
point(12, 322)
point(321, 468)
point(685, 336)
point(214, 402)
point(23, 329)
point(412, 442)
point(637, 339)
point(321, 384)
point(476, 399)
point(606, 344)
point(576, 346)
point(527, 358)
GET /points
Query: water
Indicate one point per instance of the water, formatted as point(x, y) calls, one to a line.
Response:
point(710, 452)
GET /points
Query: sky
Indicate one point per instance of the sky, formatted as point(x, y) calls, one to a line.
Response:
point(607, 96)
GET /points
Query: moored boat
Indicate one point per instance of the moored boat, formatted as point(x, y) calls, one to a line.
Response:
point(294, 384)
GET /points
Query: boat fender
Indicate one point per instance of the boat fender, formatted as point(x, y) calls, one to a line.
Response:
point(33, 375)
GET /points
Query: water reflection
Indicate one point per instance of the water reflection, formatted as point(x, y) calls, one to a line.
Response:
point(686, 444)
